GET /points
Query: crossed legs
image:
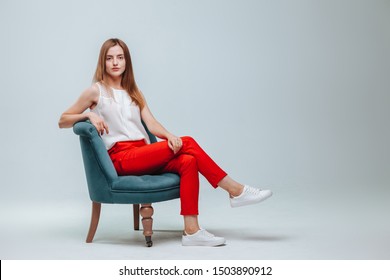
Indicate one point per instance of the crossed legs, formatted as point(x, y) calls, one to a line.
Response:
point(137, 158)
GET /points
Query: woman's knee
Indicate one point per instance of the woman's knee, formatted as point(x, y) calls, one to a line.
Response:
point(187, 162)
point(188, 141)
point(181, 164)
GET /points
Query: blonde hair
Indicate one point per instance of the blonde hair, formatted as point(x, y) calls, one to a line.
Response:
point(128, 81)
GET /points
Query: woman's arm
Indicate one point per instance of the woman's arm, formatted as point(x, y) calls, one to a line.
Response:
point(76, 112)
point(153, 125)
point(158, 130)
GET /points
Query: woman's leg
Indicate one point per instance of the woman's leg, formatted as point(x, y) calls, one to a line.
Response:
point(206, 166)
point(232, 187)
point(191, 224)
point(129, 158)
point(209, 169)
point(186, 166)
point(138, 158)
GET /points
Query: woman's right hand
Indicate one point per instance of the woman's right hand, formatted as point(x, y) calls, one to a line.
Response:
point(98, 122)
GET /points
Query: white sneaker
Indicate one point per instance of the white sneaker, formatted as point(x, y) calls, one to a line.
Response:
point(202, 238)
point(249, 196)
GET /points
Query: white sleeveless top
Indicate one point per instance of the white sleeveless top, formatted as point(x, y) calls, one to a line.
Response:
point(122, 116)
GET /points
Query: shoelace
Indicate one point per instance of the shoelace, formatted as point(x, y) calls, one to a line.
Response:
point(253, 190)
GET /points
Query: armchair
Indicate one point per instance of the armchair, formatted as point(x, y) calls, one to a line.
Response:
point(105, 186)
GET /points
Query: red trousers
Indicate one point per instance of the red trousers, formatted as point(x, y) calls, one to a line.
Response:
point(138, 158)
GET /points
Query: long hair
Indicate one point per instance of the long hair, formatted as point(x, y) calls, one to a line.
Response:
point(128, 81)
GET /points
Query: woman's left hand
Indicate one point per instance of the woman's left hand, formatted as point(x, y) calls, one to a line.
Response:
point(175, 143)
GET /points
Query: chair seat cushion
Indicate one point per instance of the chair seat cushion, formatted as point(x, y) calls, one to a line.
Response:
point(146, 183)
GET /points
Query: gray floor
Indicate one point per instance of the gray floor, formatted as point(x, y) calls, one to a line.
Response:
point(293, 224)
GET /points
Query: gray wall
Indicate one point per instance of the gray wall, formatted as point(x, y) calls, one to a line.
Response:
point(290, 94)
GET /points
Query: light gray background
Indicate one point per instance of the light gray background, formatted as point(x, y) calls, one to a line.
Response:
point(290, 95)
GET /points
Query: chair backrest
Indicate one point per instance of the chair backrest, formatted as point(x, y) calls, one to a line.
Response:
point(99, 169)
point(152, 138)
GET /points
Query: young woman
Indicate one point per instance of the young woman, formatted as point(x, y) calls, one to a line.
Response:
point(116, 109)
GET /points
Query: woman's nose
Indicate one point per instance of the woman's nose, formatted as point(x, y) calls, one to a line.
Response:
point(115, 61)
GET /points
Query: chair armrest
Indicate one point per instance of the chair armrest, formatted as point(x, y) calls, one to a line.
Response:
point(85, 128)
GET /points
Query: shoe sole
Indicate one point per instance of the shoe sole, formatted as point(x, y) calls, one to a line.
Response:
point(238, 204)
point(200, 243)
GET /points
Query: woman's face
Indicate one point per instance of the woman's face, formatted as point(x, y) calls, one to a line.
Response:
point(115, 61)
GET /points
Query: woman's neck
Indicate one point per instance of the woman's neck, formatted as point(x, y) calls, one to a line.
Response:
point(113, 82)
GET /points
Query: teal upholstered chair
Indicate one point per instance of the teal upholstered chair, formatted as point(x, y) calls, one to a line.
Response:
point(105, 186)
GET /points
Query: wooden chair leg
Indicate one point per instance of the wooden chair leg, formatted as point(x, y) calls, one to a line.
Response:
point(136, 216)
point(146, 212)
point(94, 220)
